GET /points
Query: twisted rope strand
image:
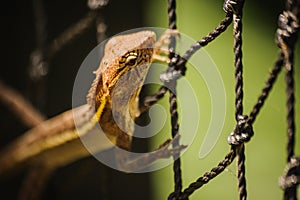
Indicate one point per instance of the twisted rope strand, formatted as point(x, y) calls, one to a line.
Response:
point(222, 27)
point(236, 8)
point(290, 105)
point(173, 103)
point(208, 176)
point(267, 89)
point(208, 38)
point(288, 27)
point(238, 55)
point(241, 172)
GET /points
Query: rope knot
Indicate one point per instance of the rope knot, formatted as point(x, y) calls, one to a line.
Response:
point(233, 6)
point(291, 177)
point(288, 26)
point(176, 70)
point(242, 132)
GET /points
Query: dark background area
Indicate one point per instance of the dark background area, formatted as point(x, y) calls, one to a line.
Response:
point(86, 178)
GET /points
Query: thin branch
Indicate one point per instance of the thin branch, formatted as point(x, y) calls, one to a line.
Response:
point(71, 33)
point(20, 106)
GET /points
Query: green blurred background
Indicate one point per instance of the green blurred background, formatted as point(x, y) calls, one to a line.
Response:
point(265, 153)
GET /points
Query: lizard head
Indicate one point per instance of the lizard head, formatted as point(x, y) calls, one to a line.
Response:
point(122, 53)
point(125, 52)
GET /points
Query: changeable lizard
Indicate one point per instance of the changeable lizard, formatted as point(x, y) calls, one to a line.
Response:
point(56, 142)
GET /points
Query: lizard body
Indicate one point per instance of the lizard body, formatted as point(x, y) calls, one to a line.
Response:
point(49, 141)
point(126, 60)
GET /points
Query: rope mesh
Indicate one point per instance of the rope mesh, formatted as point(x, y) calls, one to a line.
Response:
point(286, 37)
point(288, 26)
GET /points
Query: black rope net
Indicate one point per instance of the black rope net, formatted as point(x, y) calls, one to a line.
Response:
point(286, 37)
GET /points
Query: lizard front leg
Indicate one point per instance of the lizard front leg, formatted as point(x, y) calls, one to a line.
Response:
point(161, 51)
point(129, 162)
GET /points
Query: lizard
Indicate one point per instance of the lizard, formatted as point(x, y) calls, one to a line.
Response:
point(56, 142)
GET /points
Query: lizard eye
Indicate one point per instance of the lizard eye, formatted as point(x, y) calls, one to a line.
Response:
point(131, 60)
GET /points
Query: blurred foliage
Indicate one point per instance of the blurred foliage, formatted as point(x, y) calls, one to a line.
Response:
point(265, 153)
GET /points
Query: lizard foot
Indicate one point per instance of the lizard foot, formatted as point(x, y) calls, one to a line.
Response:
point(161, 51)
point(146, 159)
